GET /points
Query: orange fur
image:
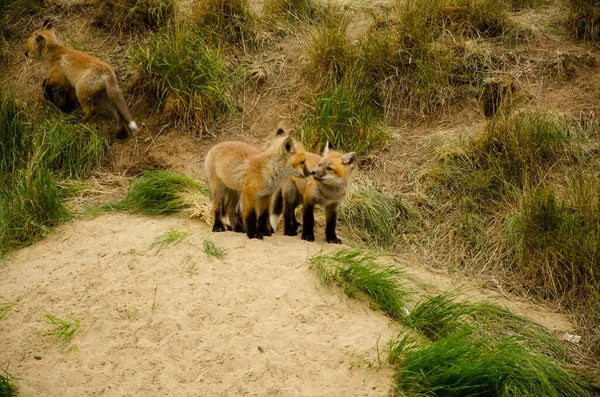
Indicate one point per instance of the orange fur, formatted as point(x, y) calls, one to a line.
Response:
point(82, 75)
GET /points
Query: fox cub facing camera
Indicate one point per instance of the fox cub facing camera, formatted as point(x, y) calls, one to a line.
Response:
point(82, 76)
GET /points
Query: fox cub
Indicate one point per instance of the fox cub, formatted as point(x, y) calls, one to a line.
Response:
point(238, 167)
point(82, 76)
point(289, 196)
point(327, 188)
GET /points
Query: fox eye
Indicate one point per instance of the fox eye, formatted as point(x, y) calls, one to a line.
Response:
point(330, 169)
point(302, 162)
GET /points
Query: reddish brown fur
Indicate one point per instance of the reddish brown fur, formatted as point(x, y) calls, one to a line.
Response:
point(83, 75)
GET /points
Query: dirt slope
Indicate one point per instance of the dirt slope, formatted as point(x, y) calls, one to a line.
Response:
point(257, 323)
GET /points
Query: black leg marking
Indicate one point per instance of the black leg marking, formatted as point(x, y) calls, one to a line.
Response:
point(331, 215)
point(251, 226)
point(263, 221)
point(309, 223)
point(218, 226)
point(289, 229)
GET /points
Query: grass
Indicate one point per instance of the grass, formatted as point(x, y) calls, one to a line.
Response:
point(583, 21)
point(555, 246)
point(171, 236)
point(295, 10)
point(160, 192)
point(188, 78)
point(6, 307)
point(212, 250)
point(376, 218)
point(7, 385)
point(230, 22)
point(136, 16)
point(357, 272)
point(14, 10)
point(63, 330)
point(463, 365)
point(342, 115)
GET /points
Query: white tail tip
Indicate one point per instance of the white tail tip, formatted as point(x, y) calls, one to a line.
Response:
point(226, 220)
point(133, 126)
point(274, 220)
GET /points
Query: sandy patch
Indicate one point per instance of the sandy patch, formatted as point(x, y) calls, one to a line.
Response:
point(257, 323)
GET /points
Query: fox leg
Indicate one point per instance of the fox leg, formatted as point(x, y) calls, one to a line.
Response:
point(262, 210)
point(331, 215)
point(218, 194)
point(308, 220)
point(249, 212)
point(232, 201)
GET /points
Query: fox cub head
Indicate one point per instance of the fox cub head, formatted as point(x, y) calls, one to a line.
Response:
point(295, 157)
point(37, 42)
point(335, 168)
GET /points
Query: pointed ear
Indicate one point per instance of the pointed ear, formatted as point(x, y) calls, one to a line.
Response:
point(39, 39)
point(350, 160)
point(47, 24)
point(289, 145)
point(326, 150)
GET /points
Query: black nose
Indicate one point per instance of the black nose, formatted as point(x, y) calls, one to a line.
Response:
point(313, 172)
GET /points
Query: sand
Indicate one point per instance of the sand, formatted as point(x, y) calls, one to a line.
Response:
point(169, 321)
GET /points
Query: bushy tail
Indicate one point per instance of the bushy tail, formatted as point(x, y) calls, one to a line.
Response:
point(116, 97)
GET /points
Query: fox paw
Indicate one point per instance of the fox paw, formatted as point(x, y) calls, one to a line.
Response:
point(288, 232)
point(334, 240)
point(220, 228)
point(308, 237)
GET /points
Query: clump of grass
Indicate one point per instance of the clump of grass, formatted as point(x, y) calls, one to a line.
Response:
point(555, 244)
point(295, 10)
point(7, 385)
point(357, 271)
point(212, 250)
point(160, 192)
point(14, 126)
point(460, 365)
point(14, 10)
point(136, 16)
point(169, 237)
point(441, 315)
point(188, 78)
point(378, 219)
point(73, 150)
point(342, 115)
point(30, 206)
point(583, 21)
point(63, 330)
point(227, 21)
point(6, 307)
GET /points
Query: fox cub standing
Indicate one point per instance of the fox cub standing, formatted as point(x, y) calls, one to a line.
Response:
point(289, 196)
point(327, 188)
point(81, 75)
point(238, 167)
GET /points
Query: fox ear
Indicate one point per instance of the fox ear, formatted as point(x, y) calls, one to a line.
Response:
point(326, 150)
point(47, 24)
point(289, 145)
point(39, 39)
point(350, 160)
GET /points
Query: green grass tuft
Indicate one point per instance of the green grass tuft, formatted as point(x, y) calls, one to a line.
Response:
point(227, 21)
point(169, 237)
point(583, 21)
point(357, 271)
point(296, 10)
point(212, 250)
point(63, 330)
point(461, 365)
point(7, 385)
point(136, 16)
point(160, 192)
point(376, 218)
point(188, 78)
point(6, 307)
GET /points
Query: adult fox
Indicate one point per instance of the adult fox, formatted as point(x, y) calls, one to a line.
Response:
point(238, 167)
point(83, 76)
point(327, 188)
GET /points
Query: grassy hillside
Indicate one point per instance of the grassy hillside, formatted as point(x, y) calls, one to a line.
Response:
point(475, 123)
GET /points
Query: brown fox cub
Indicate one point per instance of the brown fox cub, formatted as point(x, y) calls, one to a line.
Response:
point(327, 188)
point(289, 196)
point(82, 76)
point(237, 166)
